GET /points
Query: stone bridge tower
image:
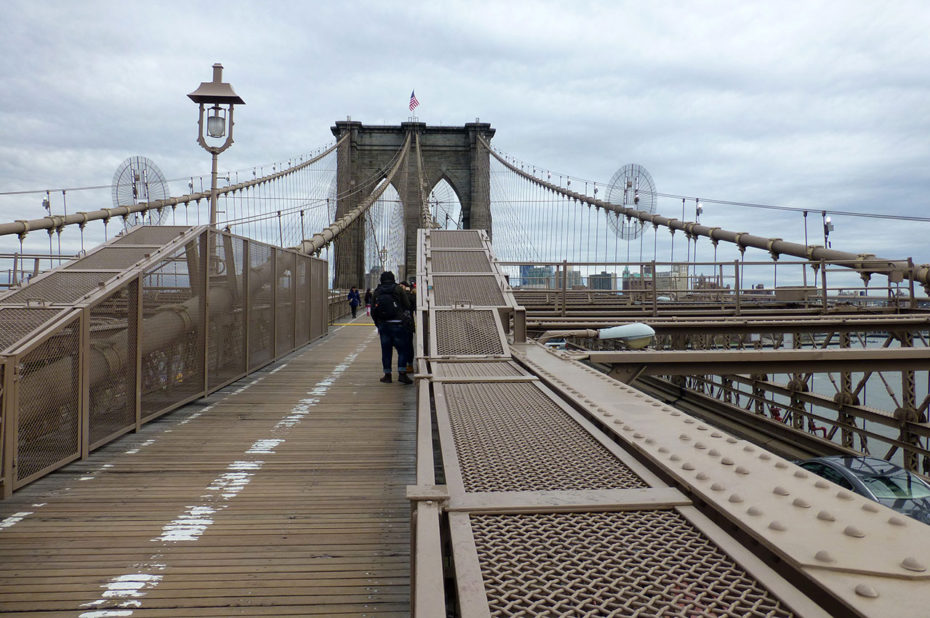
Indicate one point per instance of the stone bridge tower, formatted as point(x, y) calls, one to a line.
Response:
point(450, 153)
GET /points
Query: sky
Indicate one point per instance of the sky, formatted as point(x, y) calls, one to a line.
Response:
point(815, 105)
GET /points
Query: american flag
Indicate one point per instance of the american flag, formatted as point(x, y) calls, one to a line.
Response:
point(413, 101)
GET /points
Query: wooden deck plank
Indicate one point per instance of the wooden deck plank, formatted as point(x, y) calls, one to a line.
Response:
point(289, 496)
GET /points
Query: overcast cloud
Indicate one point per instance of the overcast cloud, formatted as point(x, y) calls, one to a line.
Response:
point(803, 104)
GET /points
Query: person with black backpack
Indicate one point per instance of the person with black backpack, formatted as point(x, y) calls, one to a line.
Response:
point(390, 302)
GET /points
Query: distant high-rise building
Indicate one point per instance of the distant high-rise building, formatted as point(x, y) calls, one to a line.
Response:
point(536, 276)
point(602, 281)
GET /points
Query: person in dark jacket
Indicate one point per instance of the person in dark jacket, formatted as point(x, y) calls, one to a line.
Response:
point(368, 297)
point(354, 300)
point(389, 304)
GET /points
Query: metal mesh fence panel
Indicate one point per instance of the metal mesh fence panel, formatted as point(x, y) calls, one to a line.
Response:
point(469, 370)
point(460, 262)
point(154, 235)
point(319, 299)
point(633, 563)
point(60, 287)
point(467, 332)
point(111, 258)
point(455, 239)
point(511, 437)
point(303, 300)
point(16, 323)
point(286, 281)
point(49, 402)
point(172, 354)
point(261, 309)
point(480, 290)
point(112, 365)
point(226, 337)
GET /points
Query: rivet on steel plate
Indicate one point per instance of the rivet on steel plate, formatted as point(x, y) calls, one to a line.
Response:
point(865, 590)
point(844, 495)
point(702, 477)
point(801, 474)
point(716, 434)
point(675, 458)
point(894, 520)
point(853, 532)
point(825, 516)
point(627, 428)
point(742, 470)
point(701, 428)
point(780, 464)
point(700, 445)
point(764, 456)
point(821, 484)
point(871, 507)
point(689, 421)
point(713, 452)
point(736, 498)
point(732, 440)
point(650, 441)
point(618, 421)
point(717, 487)
point(638, 436)
point(662, 449)
point(780, 491)
point(912, 564)
point(656, 404)
point(749, 448)
point(801, 503)
point(687, 466)
point(726, 461)
point(777, 525)
point(676, 413)
point(754, 511)
point(823, 556)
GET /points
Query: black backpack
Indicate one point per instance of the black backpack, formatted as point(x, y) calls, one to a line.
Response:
point(385, 306)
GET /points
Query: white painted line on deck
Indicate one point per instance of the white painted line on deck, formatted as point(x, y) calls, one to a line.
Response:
point(195, 520)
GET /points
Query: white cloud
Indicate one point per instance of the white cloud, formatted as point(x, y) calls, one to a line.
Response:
point(814, 105)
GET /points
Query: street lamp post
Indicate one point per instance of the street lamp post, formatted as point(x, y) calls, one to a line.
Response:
point(827, 228)
point(221, 99)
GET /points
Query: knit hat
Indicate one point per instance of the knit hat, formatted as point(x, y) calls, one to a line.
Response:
point(387, 277)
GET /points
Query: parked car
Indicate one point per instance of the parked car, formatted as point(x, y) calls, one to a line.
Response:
point(877, 480)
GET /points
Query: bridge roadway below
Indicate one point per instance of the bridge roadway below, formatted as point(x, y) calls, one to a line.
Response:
point(282, 494)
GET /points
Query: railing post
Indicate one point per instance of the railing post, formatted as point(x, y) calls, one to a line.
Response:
point(7, 436)
point(823, 283)
point(655, 290)
point(83, 357)
point(564, 285)
point(736, 285)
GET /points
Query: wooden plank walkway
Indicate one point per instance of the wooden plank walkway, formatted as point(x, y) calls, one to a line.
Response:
point(283, 494)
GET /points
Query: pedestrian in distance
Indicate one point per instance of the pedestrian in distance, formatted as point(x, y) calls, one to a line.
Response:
point(368, 297)
point(387, 310)
point(354, 301)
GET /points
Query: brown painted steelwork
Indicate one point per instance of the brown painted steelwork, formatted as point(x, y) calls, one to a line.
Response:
point(533, 454)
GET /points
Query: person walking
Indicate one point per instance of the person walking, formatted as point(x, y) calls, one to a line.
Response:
point(368, 297)
point(354, 301)
point(388, 307)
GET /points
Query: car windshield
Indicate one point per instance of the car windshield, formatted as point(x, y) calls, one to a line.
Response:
point(895, 486)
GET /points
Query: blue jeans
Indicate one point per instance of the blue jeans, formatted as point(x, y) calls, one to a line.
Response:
point(394, 335)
